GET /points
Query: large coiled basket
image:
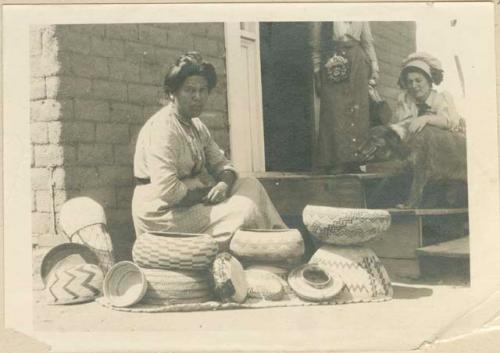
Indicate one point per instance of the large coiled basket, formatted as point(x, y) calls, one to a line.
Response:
point(345, 226)
point(364, 275)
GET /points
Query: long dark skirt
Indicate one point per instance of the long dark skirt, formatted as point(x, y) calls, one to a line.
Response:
point(344, 111)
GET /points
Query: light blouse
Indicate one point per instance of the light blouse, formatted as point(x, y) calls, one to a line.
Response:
point(438, 103)
point(172, 153)
point(344, 31)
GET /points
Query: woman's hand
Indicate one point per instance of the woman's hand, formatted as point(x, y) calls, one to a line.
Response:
point(194, 196)
point(217, 194)
point(418, 124)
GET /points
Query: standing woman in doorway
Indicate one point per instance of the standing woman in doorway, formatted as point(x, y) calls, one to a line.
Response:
point(344, 63)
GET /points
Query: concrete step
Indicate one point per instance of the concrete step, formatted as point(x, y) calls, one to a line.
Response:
point(457, 248)
point(445, 260)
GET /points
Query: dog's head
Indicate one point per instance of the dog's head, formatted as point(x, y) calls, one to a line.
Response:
point(383, 144)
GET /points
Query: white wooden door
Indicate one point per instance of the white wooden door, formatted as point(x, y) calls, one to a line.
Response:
point(245, 96)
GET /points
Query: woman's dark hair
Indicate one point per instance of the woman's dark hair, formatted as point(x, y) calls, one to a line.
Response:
point(189, 64)
point(436, 75)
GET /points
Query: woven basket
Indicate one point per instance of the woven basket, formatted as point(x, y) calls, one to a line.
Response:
point(124, 284)
point(229, 278)
point(345, 226)
point(364, 275)
point(66, 255)
point(74, 284)
point(275, 270)
point(267, 245)
point(314, 283)
point(176, 287)
point(264, 285)
point(175, 251)
point(79, 213)
point(97, 239)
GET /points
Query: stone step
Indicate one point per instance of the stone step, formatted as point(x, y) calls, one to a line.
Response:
point(457, 248)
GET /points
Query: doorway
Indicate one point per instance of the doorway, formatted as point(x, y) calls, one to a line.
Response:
point(287, 96)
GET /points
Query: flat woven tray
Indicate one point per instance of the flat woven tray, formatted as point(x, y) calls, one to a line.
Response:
point(290, 299)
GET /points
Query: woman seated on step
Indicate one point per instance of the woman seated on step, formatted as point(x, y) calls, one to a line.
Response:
point(420, 104)
point(184, 183)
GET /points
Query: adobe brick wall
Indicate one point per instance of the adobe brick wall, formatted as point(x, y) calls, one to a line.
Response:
point(393, 42)
point(93, 87)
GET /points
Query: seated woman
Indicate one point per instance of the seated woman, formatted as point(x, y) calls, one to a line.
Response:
point(419, 104)
point(184, 182)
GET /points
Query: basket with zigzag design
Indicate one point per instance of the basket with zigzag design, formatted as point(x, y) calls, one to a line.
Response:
point(345, 226)
point(364, 275)
point(74, 284)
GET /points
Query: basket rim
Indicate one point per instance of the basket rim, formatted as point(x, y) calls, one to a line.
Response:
point(310, 293)
point(274, 230)
point(110, 294)
point(175, 234)
point(61, 252)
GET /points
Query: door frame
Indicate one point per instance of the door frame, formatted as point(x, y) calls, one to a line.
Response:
point(244, 91)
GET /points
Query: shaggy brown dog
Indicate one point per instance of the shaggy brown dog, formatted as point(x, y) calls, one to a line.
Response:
point(433, 154)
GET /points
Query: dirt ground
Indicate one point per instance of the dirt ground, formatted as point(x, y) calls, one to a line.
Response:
point(418, 313)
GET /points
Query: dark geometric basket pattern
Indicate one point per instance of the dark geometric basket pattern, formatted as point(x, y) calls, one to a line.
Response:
point(166, 286)
point(267, 246)
point(345, 226)
point(76, 284)
point(175, 253)
point(364, 275)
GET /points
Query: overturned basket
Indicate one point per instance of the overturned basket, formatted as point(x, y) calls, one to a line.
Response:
point(360, 269)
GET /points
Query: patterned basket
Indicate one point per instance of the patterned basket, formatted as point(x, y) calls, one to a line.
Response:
point(267, 245)
point(84, 222)
point(124, 284)
point(176, 287)
point(364, 275)
point(175, 251)
point(229, 278)
point(97, 239)
point(345, 226)
point(74, 284)
point(264, 285)
point(66, 255)
point(80, 212)
point(314, 283)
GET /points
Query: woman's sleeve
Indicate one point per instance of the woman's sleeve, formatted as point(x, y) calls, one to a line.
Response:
point(366, 40)
point(316, 45)
point(161, 161)
point(216, 161)
point(448, 110)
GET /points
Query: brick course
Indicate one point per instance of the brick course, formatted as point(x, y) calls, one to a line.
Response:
point(94, 86)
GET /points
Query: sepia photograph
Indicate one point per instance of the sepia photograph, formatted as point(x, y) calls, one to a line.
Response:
point(304, 179)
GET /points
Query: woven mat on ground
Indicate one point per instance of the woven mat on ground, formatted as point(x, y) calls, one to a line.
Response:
point(289, 299)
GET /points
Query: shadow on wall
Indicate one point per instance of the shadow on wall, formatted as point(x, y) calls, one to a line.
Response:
point(93, 87)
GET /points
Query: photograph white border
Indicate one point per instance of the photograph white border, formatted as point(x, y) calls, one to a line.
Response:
point(482, 135)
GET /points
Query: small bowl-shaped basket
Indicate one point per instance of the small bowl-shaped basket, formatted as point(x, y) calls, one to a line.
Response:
point(313, 282)
point(345, 226)
point(124, 284)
